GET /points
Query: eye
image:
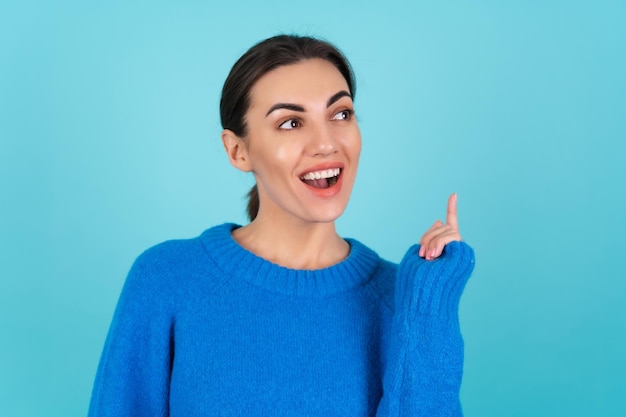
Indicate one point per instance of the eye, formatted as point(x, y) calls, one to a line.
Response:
point(290, 124)
point(343, 115)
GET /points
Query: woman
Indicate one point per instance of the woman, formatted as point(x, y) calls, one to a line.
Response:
point(283, 316)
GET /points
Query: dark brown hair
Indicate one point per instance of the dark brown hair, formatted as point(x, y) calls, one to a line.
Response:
point(257, 61)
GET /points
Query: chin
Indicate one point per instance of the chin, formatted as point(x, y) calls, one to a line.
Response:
point(326, 216)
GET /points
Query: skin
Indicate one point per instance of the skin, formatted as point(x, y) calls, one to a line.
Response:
point(301, 117)
point(440, 234)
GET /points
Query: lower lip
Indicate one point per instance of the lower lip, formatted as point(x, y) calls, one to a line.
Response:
point(326, 192)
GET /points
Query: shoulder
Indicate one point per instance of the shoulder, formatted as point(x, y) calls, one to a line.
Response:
point(168, 256)
point(172, 262)
point(177, 253)
point(384, 282)
point(382, 274)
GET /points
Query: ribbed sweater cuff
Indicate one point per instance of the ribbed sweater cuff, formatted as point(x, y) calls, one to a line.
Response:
point(434, 287)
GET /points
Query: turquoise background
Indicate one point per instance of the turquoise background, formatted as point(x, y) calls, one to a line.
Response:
point(109, 143)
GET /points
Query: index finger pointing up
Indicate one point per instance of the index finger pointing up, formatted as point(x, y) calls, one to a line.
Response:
point(451, 219)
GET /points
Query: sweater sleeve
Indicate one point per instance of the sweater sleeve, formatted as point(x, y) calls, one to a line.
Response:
point(134, 370)
point(425, 366)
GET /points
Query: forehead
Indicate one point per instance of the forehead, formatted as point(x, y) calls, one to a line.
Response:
point(308, 80)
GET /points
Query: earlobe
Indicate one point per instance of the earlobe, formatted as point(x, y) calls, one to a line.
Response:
point(236, 150)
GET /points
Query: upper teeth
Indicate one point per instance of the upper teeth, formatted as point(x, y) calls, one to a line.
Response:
point(316, 175)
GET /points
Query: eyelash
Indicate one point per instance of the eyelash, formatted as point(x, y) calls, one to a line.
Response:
point(292, 120)
point(349, 116)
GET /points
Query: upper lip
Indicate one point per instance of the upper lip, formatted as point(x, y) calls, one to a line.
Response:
point(321, 167)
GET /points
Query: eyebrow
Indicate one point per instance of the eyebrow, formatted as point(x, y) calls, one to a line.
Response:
point(296, 107)
point(337, 96)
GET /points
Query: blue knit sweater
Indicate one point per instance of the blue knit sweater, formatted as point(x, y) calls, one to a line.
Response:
point(204, 327)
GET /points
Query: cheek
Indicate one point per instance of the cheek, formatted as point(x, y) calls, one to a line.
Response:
point(283, 153)
point(354, 145)
point(271, 157)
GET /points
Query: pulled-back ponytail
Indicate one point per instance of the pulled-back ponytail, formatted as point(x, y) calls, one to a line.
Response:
point(253, 202)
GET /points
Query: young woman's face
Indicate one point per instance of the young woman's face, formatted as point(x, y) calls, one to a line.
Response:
point(303, 142)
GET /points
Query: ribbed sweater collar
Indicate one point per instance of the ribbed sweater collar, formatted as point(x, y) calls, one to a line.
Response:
point(236, 261)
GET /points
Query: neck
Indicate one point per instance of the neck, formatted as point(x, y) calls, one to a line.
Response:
point(293, 243)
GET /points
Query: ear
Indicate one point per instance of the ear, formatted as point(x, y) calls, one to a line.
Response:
point(236, 150)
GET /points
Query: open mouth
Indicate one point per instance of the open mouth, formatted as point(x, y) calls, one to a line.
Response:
point(325, 178)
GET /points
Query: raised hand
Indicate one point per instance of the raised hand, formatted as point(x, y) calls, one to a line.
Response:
point(440, 234)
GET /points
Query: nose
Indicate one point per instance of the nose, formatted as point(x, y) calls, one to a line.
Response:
point(322, 141)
